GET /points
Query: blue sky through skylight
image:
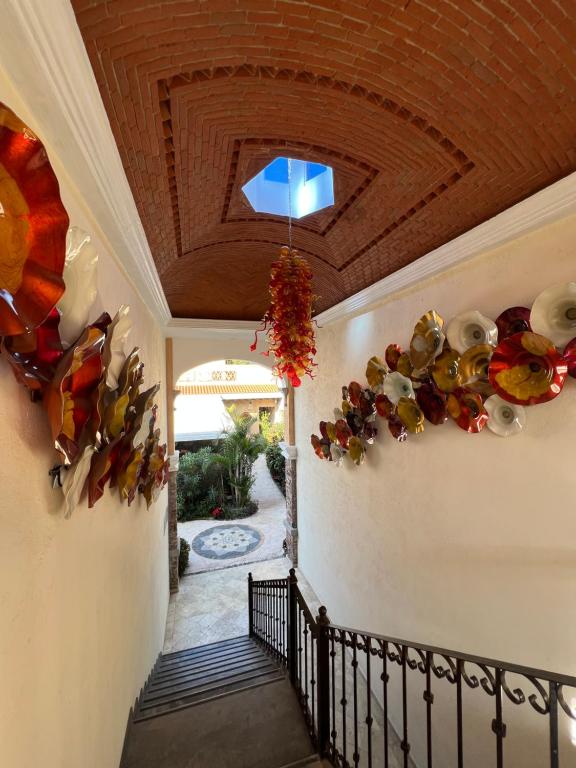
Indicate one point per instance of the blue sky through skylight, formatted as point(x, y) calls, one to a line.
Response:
point(311, 188)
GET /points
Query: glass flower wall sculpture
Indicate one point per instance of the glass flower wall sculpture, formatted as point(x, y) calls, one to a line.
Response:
point(288, 321)
point(480, 373)
point(33, 226)
point(103, 425)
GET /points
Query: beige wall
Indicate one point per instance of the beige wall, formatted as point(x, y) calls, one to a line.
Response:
point(83, 601)
point(204, 348)
point(461, 541)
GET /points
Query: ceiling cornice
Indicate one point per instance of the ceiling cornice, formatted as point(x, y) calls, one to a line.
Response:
point(545, 207)
point(189, 328)
point(45, 57)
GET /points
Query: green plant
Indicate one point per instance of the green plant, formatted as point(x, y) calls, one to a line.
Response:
point(239, 450)
point(183, 557)
point(235, 513)
point(276, 464)
point(269, 431)
point(199, 485)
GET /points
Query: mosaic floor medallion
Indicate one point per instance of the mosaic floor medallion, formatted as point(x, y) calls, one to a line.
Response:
point(225, 542)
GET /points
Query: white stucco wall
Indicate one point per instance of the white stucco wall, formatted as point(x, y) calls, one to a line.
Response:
point(83, 601)
point(200, 347)
point(454, 540)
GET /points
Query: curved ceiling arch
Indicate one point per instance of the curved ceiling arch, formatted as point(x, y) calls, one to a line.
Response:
point(435, 117)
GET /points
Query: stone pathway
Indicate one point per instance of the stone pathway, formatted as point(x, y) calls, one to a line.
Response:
point(216, 544)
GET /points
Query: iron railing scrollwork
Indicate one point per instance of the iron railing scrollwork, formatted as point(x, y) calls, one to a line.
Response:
point(371, 700)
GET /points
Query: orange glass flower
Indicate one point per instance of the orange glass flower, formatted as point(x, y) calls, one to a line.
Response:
point(33, 226)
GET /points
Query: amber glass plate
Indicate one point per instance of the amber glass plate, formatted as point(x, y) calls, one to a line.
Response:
point(33, 226)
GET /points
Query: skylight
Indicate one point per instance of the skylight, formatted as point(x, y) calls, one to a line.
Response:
point(311, 188)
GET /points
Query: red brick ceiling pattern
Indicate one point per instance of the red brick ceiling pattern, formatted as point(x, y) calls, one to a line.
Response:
point(435, 116)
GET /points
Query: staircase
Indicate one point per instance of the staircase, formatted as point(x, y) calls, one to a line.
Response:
point(223, 705)
point(299, 685)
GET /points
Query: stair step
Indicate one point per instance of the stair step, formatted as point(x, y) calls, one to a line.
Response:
point(207, 696)
point(257, 727)
point(313, 761)
point(200, 650)
point(184, 667)
point(190, 677)
point(190, 684)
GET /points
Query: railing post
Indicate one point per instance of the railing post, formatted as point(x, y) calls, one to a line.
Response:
point(292, 627)
point(323, 681)
point(250, 606)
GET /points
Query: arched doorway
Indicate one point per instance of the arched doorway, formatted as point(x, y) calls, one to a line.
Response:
point(222, 406)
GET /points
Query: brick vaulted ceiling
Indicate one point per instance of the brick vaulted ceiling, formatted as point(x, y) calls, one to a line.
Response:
point(435, 116)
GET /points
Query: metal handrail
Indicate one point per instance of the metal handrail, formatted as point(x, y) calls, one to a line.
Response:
point(513, 668)
point(324, 664)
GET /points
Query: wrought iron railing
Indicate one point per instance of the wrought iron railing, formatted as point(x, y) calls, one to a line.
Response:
point(371, 700)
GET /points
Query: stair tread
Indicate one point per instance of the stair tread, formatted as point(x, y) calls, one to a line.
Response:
point(213, 694)
point(201, 649)
point(198, 680)
point(192, 683)
point(206, 685)
point(183, 667)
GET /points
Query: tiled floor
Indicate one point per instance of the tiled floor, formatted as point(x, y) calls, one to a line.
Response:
point(213, 606)
point(268, 523)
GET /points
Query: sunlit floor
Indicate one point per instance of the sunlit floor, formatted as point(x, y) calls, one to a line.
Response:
point(213, 606)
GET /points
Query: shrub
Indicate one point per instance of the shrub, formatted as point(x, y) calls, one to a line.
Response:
point(199, 485)
point(276, 464)
point(220, 476)
point(239, 450)
point(272, 433)
point(231, 512)
point(183, 557)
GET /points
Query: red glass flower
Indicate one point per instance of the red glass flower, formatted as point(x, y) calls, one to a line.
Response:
point(513, 320)
point(392, 355)
point(526, 369)
point(343, 433)
point(432, 402)
point(397, 428)
point(35, 355)
point(354, 393)
point(384, 406)
point(321, 447)
point(33, 226)
point(71, 400)
point(570, 357)
point(467, 410)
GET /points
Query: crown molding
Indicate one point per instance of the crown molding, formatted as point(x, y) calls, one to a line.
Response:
point(189, 328)
point(43, 54)
point(545, 207)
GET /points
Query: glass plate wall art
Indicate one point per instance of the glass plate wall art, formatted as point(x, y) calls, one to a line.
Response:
point(33, 226)
point(526, 369)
